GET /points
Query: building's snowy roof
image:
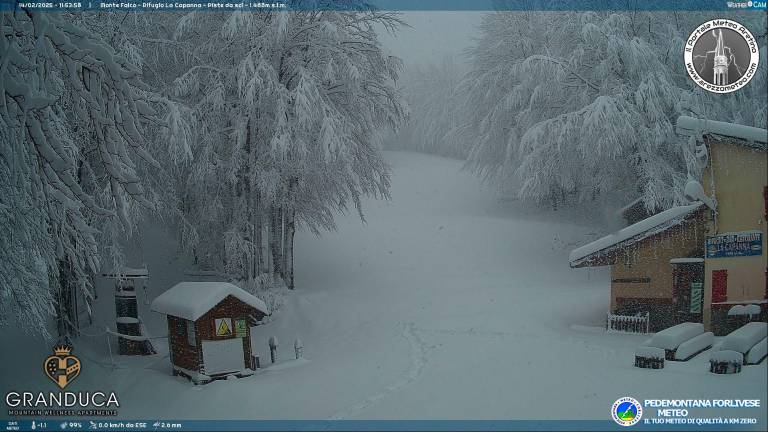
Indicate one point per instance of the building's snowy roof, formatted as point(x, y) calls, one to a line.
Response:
point(636, 211)
point(752, 136)
point(191, 300)
point(633, 233)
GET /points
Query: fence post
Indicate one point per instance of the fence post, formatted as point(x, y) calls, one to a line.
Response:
point(109, 346)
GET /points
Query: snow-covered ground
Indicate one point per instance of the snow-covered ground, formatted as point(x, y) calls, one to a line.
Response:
point(445, 305)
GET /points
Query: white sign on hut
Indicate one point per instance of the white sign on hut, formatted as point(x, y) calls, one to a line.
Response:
point(209, 329)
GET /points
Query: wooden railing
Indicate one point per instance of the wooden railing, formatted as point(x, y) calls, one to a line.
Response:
point(628, 323)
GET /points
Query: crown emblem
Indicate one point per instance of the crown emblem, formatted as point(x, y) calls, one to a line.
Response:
point(62, 350)
point(62, 367)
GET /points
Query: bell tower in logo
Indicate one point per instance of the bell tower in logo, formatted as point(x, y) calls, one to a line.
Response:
point(721, 61)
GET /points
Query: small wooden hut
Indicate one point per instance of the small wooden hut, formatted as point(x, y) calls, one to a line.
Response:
point(209, 329)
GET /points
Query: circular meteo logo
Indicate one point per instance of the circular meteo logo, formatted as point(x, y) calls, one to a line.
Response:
point(626, 411)
point(721, 56)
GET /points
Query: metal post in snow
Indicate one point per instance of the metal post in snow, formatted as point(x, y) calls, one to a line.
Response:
point(111, 359)
point(273, 348)
point(298, 347)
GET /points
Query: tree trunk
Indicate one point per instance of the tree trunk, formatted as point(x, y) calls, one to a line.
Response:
point(284, 263)
point(290, 227)
point(250, 250)
point(255, 224)
point(66, 317)
point(263, 256)
point(268, 241)
point(275, 239)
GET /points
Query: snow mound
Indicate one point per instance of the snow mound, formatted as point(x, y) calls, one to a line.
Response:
point(191, 300)
point(693, 346)
point(672, 337)
point(649, 352)
point(689, 125)
point(744, 338)
point(737, 310)
point(750, 309)
point(633, 233)
point(726, 356)
point(758, 352)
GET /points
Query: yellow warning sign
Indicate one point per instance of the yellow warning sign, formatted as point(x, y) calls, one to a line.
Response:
point(223, 327)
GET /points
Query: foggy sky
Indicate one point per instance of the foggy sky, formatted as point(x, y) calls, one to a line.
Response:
point(433, 35)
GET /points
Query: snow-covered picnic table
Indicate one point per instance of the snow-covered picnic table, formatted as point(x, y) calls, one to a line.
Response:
point(648, 357)
point(725, 362)
point(689, 338)
point(688, 349)
point(745, 337)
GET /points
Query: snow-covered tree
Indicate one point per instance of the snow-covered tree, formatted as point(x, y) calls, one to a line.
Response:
point(286, 109)
point(586, 109)
point(72, 117)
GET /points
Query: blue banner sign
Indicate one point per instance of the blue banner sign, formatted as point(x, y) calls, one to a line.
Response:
point(735, 244)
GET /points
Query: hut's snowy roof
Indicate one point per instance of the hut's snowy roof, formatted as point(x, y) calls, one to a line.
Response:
point(191, 300)
point(752, 136)
point(633, 233)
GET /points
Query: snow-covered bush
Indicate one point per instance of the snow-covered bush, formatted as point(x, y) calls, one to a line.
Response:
point(272, 291)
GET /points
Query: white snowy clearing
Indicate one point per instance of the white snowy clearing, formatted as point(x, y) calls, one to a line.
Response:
point(445, 305)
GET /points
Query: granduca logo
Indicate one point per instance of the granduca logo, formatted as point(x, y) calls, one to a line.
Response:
point(62, 367)
point(626, 411)
point(61, 400)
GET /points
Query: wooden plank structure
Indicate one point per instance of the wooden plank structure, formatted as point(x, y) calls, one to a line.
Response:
point(209, 329)
point(127, 280)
